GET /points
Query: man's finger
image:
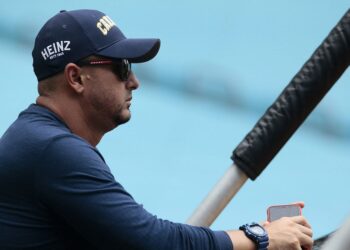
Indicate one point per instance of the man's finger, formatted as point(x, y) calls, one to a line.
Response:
point(305, 241)
point(299, 203)
point(300, 220)
point(305, 230)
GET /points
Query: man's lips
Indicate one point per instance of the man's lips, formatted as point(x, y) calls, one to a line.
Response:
point(128, 101)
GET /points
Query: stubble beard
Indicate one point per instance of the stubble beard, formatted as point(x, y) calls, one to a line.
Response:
point(122, 116)
point(121, 120)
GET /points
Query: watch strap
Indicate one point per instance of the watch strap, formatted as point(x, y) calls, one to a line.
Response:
point(260, 240)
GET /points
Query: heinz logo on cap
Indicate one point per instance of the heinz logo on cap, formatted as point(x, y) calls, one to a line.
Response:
point(55, 49)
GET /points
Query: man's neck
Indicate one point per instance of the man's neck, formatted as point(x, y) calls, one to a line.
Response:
point(72, 116)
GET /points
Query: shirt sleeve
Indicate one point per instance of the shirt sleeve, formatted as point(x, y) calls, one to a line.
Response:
point(76, 184)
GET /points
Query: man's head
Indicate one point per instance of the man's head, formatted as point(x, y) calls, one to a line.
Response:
point(83, 65)
point(71, 36)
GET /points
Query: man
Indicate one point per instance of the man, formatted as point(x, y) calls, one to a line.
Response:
point(56, 191)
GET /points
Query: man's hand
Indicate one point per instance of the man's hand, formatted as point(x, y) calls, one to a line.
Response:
point(289, 233)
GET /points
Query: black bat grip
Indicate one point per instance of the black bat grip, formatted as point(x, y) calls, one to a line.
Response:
point(296, 101)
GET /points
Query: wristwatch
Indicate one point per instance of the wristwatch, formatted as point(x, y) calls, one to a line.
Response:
point(256, 233)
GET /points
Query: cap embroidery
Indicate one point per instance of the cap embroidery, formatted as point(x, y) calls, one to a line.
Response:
point(55, 49)
point(105, 24)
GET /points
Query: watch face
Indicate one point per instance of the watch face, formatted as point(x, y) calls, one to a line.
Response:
point(257, 230)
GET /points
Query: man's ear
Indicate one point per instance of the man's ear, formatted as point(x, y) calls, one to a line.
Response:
point(72, 73)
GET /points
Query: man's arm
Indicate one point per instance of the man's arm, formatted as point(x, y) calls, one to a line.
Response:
point(76, 185)
point(74, 182)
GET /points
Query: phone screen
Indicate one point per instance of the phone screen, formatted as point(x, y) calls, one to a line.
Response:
point(279, 211)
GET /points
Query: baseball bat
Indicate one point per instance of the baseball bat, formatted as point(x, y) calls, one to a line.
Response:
point(281, 120)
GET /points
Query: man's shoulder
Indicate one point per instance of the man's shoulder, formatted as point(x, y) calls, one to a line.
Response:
point(34, 130)
point(32, 127)
point(39, 136)
point(42, 122)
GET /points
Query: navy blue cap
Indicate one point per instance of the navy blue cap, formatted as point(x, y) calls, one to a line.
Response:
point(72, 35)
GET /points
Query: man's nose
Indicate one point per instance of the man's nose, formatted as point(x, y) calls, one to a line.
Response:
point(132, 83)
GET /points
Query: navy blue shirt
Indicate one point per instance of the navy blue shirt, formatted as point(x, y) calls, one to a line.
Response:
point(57, 192)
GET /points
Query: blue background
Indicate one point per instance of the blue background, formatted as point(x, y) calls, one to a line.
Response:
point(221, 64)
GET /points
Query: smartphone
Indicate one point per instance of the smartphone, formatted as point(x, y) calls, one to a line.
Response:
point(278, 211)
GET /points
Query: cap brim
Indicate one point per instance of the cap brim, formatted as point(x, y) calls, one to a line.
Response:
point(135, 50)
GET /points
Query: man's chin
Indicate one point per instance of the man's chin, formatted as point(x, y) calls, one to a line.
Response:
point(121, 119)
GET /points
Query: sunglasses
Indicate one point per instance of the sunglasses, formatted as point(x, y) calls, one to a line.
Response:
point(122, 68)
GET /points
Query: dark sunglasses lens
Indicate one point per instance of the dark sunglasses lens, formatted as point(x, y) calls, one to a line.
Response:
point(123, 70)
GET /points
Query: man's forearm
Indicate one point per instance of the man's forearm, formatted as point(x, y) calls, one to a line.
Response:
point(240, 241)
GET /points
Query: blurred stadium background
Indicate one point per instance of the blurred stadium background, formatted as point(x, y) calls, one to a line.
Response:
point(221, 64)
